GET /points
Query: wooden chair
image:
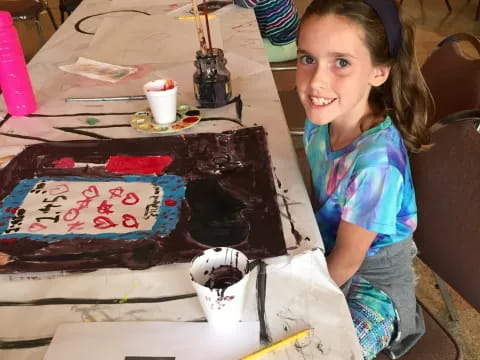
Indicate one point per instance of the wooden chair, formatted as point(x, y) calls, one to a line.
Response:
point(448, 233)
point(28, 10)
point(448, 198)
point(453, 77)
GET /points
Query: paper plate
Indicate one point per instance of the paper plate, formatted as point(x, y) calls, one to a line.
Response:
point(187, 116)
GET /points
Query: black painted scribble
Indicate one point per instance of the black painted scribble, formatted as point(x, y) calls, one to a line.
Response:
point(5, 119)
point(279, 183)
point(26, 137)
point(296, 234)
point(24, 344)
point(79, 22)
point(265, 337)
point(84, 133)
point(93, 301)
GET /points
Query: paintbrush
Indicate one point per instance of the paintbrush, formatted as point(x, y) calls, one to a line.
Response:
point(198, 21)
point(205, 13)
point(109, 98)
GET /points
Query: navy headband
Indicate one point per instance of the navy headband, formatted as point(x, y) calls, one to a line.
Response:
point(388, 14)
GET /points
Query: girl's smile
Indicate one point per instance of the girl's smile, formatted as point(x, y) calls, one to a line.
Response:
point(321, 101)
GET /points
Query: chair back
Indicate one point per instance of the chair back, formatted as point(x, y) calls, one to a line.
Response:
point(453, 77)
point(447, 187)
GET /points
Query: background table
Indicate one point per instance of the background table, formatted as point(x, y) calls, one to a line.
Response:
point(298, 291)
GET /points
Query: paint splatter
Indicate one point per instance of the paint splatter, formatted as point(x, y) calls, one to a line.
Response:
point(125, 297)
point(92, 121)
point(170, 202)
point(64, 163)
point(4, 258)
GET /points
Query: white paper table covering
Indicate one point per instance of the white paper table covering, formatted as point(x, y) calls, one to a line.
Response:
point(323, 304)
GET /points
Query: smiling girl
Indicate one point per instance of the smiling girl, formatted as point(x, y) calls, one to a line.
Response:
point(366, 105)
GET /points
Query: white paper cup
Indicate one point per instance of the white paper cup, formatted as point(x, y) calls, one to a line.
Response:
point(220, 276)
point(162, 98)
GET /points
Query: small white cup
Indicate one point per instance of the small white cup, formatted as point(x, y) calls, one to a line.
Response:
point(222, 305)
point(162, 97)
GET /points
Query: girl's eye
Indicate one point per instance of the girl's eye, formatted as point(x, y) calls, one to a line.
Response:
point(306, 60)
point(341, 63)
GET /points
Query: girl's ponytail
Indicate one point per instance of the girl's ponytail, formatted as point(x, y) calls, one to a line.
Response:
point(410, 99)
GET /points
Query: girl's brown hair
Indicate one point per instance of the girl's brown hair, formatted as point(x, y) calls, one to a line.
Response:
point(404, 96)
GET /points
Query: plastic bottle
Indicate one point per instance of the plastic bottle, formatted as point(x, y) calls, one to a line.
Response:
point(14, 79)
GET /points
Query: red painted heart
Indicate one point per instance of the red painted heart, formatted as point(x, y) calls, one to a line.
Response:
point(59, 189)
point(71, 214)
point(90, 192)
point(129, 221)
point(130, 199)
point(103, 222)
point(34, 227)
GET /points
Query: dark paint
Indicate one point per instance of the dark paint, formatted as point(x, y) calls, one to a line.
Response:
point(242, 187)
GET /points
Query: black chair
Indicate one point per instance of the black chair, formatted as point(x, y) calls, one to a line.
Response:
point(67, 7)
point(28, 10)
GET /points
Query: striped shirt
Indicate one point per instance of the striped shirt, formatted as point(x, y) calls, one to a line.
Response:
point(277, 19)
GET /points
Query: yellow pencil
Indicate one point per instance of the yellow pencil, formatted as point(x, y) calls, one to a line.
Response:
point(276, 344)
point(192, 17)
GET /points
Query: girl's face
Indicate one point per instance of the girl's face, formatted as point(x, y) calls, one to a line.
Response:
point(335, 70)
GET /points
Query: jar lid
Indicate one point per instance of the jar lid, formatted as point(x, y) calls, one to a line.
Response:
point(5, 18)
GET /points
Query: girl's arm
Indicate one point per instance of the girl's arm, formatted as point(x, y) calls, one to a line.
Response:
point(246, 3)
point(350, 249)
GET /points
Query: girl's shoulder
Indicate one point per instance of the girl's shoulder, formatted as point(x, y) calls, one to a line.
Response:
point(382, 145)
point(310, 129)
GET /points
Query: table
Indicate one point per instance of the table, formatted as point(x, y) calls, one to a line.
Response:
point(298, 290)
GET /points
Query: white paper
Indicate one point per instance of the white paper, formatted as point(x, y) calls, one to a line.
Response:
point(179, 340)
point(98, 70)
point(131, 35)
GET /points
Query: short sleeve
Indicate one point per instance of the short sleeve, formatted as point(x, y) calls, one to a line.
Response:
point(374, 198)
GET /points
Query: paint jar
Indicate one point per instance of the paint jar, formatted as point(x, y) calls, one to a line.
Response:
point(220, 277)
point(211, 80)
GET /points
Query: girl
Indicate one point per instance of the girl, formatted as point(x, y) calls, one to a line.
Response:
point(366, 105)
point(278, 21)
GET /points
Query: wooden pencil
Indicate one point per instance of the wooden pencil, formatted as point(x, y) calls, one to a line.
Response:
point(276, 345)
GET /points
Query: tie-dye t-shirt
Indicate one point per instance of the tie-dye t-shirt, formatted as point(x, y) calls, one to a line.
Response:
point(368, 183)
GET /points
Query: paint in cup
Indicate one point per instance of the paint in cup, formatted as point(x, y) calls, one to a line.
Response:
point(219, 276)
point(162, 97)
